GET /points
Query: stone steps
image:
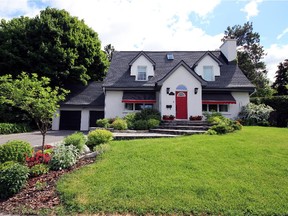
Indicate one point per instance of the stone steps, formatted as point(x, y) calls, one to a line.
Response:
point(182, 127)
point(176, 131)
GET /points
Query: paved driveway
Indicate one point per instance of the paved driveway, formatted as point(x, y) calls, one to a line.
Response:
point(35, 138)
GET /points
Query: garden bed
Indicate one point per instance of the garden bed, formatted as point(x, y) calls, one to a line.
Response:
point(39, 193)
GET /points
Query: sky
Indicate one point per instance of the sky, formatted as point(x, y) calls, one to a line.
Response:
point(171, 24)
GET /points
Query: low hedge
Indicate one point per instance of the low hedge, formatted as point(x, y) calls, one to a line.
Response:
point(9, 128)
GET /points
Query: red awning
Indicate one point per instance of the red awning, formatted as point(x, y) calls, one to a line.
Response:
point(139, 97)
point(218, 98)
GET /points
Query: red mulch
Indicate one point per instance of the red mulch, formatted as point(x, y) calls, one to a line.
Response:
point(35, 198)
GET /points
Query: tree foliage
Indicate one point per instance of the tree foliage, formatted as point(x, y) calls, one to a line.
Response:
point(250, 54)
point(33, 96)
point(53, 44)
point(281, 82)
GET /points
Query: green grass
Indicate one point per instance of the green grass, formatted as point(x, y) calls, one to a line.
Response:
point(235, 174)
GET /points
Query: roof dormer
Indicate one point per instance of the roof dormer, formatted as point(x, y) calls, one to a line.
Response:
point(142, 67)
point(208, 66)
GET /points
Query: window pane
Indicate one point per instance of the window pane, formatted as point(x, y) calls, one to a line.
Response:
point(204, 107)
point(212, 108)
point(128, 106)
point(223, 108)
point(148, 106)
point(208, 73)
point(139, 106)
point(141, 73)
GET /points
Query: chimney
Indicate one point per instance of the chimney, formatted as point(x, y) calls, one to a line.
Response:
point(228, 48)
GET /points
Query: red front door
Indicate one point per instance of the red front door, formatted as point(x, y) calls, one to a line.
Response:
point(181, 105)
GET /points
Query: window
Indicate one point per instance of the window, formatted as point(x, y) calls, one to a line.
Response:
point(141, 73)
point(129, 106)
point(204, 107)
point(208, 74)
point(215, 107)
point(223, 108)
point(137, 106)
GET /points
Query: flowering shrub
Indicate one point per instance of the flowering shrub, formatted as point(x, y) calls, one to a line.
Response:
point(253, 114)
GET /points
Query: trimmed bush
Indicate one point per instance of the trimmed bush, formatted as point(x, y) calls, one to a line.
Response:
point(141, 125)
point(153, 123)
point(15, 150)
point(103, 123)
point(147, 114)
point(63, 157)
point(130, 119)
point(221, 124)
point(76, 139)
point(253, 114)
point(119, 124)
point(97, 137)
point(38, 169)
point(9, 128)
point(13, 176)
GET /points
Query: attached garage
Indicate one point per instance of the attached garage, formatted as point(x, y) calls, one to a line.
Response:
point(81, 109)
point(94, 116)
point(70, 120)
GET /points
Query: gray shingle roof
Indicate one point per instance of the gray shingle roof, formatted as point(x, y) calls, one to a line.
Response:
point(86, 96)
point(118, 75)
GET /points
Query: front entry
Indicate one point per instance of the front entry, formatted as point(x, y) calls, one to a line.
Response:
point(181, 104)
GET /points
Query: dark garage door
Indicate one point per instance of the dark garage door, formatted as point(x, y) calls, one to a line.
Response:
point(94, 116)
point(70, 120)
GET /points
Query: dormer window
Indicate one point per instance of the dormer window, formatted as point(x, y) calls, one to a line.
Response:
point(142, 73)
point(208, 73)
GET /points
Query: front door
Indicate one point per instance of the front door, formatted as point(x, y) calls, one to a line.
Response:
point(181, 105)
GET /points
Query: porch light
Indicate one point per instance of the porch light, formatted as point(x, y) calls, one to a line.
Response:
point(167, 90)
point(195, 90)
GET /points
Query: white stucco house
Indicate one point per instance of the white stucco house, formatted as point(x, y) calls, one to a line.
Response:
point(179, 83)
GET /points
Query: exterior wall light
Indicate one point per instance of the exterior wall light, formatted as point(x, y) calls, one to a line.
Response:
point(167, 90)
point(195, 90)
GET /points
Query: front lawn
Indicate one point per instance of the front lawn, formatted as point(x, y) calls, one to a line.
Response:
point(240, 173)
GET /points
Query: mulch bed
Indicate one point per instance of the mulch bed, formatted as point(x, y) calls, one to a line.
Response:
point(39, 193)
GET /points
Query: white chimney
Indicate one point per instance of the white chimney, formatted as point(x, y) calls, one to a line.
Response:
point(228, 48)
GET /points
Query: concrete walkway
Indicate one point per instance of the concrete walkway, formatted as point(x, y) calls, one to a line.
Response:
point(35, 138)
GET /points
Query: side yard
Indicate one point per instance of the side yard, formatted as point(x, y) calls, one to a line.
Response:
point(240, 173)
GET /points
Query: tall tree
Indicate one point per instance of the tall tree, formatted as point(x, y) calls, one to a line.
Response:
point(55, 45)
point(281, 82)
point(249, 55)
point(109, 50)
point(33, 96)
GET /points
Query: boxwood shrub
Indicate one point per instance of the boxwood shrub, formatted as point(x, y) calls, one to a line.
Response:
point(103, 123)
point(15, 150)
point(76, 139)
point(97, 137)
point(13, 176)
point(119, 124)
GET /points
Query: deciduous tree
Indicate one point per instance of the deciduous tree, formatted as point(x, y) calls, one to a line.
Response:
point(34, 96)
point(54, 44)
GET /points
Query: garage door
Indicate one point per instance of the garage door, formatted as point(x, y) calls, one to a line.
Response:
point(94, 116)
point(70, 120)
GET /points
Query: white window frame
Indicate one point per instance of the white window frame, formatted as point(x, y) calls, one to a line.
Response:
point(218, 108)
point(134, 106)
point(140, 69)
point(211, 76)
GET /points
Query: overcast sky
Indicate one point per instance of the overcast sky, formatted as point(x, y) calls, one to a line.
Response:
point(171, 24)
